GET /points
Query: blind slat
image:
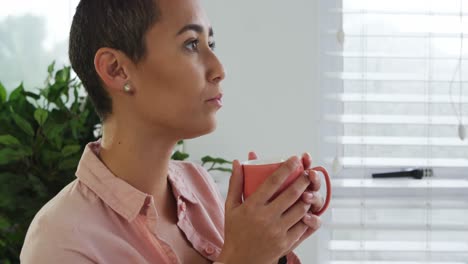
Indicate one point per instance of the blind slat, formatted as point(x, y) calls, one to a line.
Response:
point(408, 141)
point(401, 184)
point(378, 76)
point(388, 55)
point(356, 227)
point(403, 162)
point(403, 35)
point(394, 12)
point(394, 262)
point(394, 119)
point(401, 246)
point(396, 98)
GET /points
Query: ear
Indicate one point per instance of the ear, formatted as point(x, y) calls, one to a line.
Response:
point(113, 68)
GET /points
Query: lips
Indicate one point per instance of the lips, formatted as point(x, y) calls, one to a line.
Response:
point(217, 100)
point(217, 97)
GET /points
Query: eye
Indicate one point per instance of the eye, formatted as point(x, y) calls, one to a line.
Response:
point(212, 45)
point(192, 45)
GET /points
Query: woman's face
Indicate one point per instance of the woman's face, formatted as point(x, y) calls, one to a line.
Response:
point(176, 81)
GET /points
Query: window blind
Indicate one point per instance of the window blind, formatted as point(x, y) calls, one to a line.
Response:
point(393, 76)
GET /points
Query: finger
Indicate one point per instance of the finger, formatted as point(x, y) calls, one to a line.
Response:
point(306, 235)
point(296, 232)
point(314, 180)
point(252, 155)
point(308, 196)
point(294, 214)
point(236, 182)
point(306, 160)
point(312, 221)
point(268, 188)
point(317, 202)
point(289, 196)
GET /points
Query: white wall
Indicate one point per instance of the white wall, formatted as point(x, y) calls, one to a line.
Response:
point(269, 49)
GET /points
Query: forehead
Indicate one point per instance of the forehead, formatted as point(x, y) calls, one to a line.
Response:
point(177, 13)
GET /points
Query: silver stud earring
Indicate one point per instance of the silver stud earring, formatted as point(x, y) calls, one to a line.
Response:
point(127, 88)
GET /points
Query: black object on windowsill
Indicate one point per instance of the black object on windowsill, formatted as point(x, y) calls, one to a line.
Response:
point(410, 173)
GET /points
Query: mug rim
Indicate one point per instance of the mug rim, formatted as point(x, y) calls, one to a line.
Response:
point(270, 161)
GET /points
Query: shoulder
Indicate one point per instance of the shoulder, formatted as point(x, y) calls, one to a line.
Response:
point(54, 231)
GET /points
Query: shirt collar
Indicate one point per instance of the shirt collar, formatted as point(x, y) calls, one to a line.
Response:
point(179, 186)
point(122, 197)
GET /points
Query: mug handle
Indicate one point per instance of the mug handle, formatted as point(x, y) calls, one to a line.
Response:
point(328, 186)
point(284, 260)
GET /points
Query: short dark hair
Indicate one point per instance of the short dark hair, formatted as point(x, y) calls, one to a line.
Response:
point(117, 24)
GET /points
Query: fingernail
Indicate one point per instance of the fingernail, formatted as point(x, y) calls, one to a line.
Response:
point(307, 217)
point(236, 164)
point(309, 197)
point(294, 161)
point(306, 174)
point(312, 175)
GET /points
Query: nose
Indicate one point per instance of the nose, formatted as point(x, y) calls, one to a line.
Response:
point(216, 71)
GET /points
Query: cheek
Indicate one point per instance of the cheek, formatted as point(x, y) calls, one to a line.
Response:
point(171, 99)
point(172, 91)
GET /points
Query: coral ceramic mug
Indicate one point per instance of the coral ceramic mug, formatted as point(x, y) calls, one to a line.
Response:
point(257, 171)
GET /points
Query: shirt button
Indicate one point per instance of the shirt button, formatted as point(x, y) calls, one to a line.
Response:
point(183, 207)
point(209, 250)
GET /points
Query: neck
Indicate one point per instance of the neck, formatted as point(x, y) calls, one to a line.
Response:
point(138, 157)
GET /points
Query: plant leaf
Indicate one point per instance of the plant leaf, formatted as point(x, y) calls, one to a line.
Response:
point(3, 94)
point(63, 75)
point(9, 140)
point(51, 67)
point(17, 93)
point(41, 116)
point(54, 132)
point(206, 159)
point(8, 155)
point(221, 161)
point(179, 155)
point(70, 149)
point(4, 223)
point(37, 185)
point(69, 163)
point(49, 156)
point(23, 124)
point(32, 95)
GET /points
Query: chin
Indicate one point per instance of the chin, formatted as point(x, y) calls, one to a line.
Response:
point(201, 130)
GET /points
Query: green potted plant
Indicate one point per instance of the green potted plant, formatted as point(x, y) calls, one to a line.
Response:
point(42, 136)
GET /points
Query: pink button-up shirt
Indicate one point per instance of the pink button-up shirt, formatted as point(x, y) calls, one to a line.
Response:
point(99, 218)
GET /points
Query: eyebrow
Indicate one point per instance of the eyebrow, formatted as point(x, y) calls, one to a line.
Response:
point(197, 28)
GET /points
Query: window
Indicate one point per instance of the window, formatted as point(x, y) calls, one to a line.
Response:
point(395, 88)
point(32, 35)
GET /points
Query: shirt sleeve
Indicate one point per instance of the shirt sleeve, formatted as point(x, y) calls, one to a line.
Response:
point(57, 245)
point(50, 256)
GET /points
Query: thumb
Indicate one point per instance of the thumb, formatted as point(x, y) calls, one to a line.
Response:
point(236, 185)
point(253, 155)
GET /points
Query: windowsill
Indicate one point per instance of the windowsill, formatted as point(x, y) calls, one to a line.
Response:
point(400, 183)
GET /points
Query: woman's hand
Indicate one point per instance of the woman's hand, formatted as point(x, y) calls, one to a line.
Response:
point(258, 231)
point(310, 196)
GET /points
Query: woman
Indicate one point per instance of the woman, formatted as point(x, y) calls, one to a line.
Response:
point(150, 71)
